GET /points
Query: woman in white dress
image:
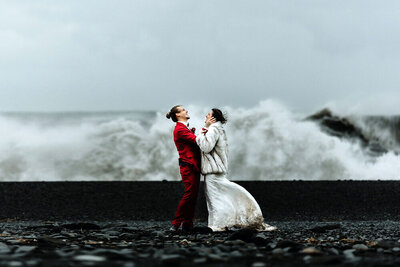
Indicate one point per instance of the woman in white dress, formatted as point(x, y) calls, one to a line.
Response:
point(229, 204)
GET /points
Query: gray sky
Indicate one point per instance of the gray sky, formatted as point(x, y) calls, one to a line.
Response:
point(118, 55)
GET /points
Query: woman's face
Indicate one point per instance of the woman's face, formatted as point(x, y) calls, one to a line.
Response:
point(209, 115)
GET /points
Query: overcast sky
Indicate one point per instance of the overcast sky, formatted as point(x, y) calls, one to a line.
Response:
point(123, 55)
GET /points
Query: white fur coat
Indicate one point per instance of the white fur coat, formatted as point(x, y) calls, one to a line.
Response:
point(214, 150)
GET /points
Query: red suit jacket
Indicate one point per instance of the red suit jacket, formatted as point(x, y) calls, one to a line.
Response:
point(185, 142)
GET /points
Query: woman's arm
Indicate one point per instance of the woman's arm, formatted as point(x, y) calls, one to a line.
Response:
point(207, 140)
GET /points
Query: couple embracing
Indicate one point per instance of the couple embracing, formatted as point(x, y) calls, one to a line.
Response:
point(229, 205)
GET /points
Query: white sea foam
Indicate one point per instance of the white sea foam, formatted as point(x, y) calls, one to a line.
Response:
point(266, 142)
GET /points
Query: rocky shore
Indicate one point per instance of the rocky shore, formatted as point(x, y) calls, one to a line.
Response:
point(143, 201)
point(150, 243)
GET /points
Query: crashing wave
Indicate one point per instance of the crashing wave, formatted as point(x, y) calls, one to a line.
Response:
point(266, 142)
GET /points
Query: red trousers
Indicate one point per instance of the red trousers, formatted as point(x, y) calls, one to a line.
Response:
point(187, 205)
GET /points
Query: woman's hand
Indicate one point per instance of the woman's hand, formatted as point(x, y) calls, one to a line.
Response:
point(209, 121)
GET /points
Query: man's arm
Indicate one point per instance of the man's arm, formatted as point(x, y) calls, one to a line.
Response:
point(187, 135)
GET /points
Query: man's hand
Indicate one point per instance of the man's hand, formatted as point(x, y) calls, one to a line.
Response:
point(210, 121)
point(193, 130)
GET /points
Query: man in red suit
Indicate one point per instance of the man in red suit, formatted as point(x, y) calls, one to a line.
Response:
point(189, 163)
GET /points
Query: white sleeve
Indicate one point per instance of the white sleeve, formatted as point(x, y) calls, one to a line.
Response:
point(206, 141)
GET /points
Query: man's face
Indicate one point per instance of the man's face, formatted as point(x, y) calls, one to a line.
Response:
point(183, 114)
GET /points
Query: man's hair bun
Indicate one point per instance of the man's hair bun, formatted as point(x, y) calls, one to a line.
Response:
point(172, 113)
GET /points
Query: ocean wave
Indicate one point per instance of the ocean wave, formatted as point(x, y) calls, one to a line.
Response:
point(266, 142)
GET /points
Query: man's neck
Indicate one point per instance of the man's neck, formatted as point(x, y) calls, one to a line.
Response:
point(184, 122)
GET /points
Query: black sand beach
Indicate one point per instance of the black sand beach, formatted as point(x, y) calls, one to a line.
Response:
point(149, 243)
point(341, 223)
point(279, 200)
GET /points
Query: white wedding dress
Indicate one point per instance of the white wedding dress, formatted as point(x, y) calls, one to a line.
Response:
point(229, 205)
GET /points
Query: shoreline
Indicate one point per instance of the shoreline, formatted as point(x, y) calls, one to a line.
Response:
point(150, 243)
point(279, 200)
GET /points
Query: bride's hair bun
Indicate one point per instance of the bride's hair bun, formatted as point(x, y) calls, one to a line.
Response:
point(219, 115)
point(168, 115)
